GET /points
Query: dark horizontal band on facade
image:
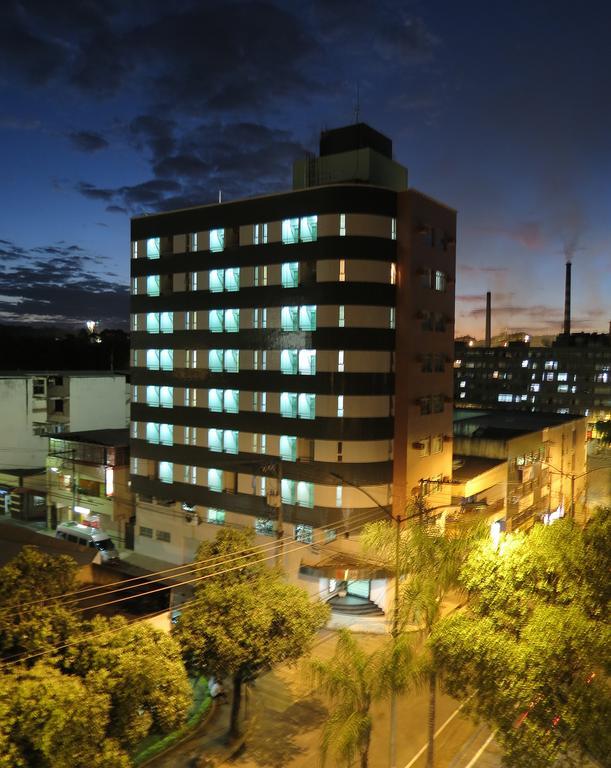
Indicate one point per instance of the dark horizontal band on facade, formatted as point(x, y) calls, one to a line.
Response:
point(323, 383)
point(320, 472)
point(341, 198)
point(320, 428)
point(355, 247)
point(367, 339)
point(331, 294)
point(254, 506)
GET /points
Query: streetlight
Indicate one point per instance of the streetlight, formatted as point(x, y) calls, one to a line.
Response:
point(398, 519)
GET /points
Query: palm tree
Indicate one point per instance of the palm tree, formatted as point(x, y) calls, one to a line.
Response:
point(353, 679)
point(429, 566)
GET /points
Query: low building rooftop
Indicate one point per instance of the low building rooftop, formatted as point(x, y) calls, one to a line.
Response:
point(472, 466)
point(109, 437)
point(503, 425)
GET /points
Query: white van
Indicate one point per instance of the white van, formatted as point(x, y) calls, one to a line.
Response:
point(88, 537)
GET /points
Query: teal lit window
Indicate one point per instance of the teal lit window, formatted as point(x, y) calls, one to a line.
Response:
point(232, 279)
point(217, 239)
point(288, 361)
point(152, 359)
point(307, 362)
point(166, 322)
point(152, 396)
point(215, 400)
point(230, 441)
point(166, 471)
point(166, 397)
point(215, 320)
point(264, 526)
point(215, 480)
point(290, 231)
point(152, 322)
point(341, 318)
point(231, 401)
point(288, 318)
point(393, 229)
point(193, 241)
point(307, 406)
point(307, 318)
point(305, 494)
point(287, 492)
point(152, 285)
point(216, 281)
point(340, 406)
point(259, 234)
point(288, 404)
point(152, 432)
point(342, 225)
point(290, 274)
point(232, 320)
point(152, 248)
point(231, 360)
point(166, 434)
point(288, 447)
point(308, 229)
point(304, 533)
point(216, 516)
point(166, 359)
point(215, 360)
point(215, 440)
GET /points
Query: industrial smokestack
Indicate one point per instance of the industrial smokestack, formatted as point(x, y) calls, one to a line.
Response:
point(488, 319)
point(567, 300)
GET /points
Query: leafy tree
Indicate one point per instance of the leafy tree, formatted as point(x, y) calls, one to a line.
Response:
point(56, 722)
point(603, 429)
point(244, 621)
point(142, 671)
point(353, 680)
point(31, 619)
point(531, 650)
point(430, 564)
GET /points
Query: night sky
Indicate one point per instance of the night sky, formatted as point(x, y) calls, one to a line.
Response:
point(112, 108)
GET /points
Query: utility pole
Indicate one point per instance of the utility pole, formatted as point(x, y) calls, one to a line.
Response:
point(280, 521)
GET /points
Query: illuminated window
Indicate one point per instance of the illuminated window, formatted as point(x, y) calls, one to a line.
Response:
point(290, 274)
point(134, 286)
point(342, 270)
point(339, 494)
point(391, 319)
point(264, 526)
point(191, 281)
point(289, 318)
point(504, 397)
point(341, 320)
point(216, 281)
point(340, 406)
point(166, 397)
point(215, 360)
point(152, 248)
point(231, 401)
point(307, 362)
point(152, 432)
point(340, 361)
point(166, 322)
point(306, 405)
point(288, 447)
point(288, 404)
point(231, 360)
point(342, 225)
point(152, 322)
point(215, 400)
point(440, 281)
point(215, 480)
point(288, 361)
point(563, 377)
point(232, 320)
point(290, 231)
point(308, 229)
point(152, 285)
point(307, 318)
point(166, 471)
point(524, 363)
point(304, 532)
point(563, 387)
point(166, 359)
point(192, 244)
point(287, 492)
point(305, 494)
point(230, 441)
point(217, 239)
point(215, 320)
point(216, 516)
point(393, 229)
point(232, 279)
point(393, 273)
point(166, 434)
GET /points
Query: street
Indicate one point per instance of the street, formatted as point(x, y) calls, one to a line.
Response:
point(288, 719)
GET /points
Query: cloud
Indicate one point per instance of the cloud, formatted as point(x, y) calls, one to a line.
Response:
point(471, 268)
point(59, 276)
point(87, 141)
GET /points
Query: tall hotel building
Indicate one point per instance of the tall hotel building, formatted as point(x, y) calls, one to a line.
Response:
point(292, 360)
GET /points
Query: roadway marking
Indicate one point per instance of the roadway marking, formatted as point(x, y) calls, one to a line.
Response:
point(437, 732)
point(480, 751)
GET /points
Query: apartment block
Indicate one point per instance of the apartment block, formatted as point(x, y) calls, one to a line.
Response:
point(292, 360)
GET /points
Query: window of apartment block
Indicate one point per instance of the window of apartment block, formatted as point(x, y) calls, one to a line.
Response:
point(264, 526)
point(307, 318)
point(166, 434)
point(290, 274)
point(306, 405)
point(217, 239)
point(288, 361)
point(166, 471)
point(393, 229)
point(287, 491)
point(308, 229)
point(425, 406)
point(290, 231)
point(342, 225)
point(437, 444)
point(289, 317)
point(305, 494)
point(231, 360)
point(342, 271)
point(215, 480)
point(152, 285)
point(339, 495)
point(307, 362)
point(230, 441)
point(152, 248)
point(232, 279)
point(391, 318)
point(288, 447)
point(440, 280)
point(146, 532)
point(191, 281)
point(304, 533)
point(216, 516)
point(288, 404)
point(216, 280)
point(231, 401)
point(163, 536)
point(134, 286)
point(341, 316)
point(340, 360)
point(425, 443)
point(340, 406)
point(437, 402)
point(192, 243)
point(133, 465)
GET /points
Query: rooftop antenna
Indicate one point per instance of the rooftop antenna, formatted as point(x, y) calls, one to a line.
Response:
point(357, 107)
point(220, 196)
